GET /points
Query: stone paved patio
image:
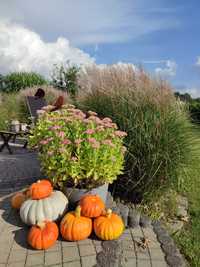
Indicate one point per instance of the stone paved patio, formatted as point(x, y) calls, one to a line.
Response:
point(15, 252)
point(22, 168)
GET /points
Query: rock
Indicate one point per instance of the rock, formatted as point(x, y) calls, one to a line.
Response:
point(169, 248)
point(124, 211)
point(175, 261)
point(133, 218)
point(175, 226)
point(181, 211)
point(156, 224)
point(116, 210)
point(145, 221)
point(164, 239)
point(182, 201)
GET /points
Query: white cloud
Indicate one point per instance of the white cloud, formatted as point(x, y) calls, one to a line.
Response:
point(198, 61)
point(169, 69)
point(88, 21)
point(194, 91)
point(23, 50)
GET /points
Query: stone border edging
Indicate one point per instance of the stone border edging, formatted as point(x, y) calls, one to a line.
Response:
point(132, 218)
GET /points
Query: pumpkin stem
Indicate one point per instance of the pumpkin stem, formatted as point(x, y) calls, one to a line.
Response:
point(109, 213)
point(38, 181)
point(41, 225)
point(78, 211)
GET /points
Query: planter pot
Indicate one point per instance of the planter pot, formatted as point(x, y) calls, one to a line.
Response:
point(75, 194)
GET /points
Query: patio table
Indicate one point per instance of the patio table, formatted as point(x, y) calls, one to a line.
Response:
point(6, 137)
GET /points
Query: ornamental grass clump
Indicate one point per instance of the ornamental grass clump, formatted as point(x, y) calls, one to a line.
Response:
point(78, 149)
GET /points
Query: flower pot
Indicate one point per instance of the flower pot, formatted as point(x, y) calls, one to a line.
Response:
point(75, 194)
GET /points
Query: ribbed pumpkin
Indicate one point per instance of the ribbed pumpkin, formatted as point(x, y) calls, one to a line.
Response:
point(17, 200)
point(41, 189)
point(47, 209)
point(43, 235)
point(109, 226)
point(91, 206)
point(74, 227)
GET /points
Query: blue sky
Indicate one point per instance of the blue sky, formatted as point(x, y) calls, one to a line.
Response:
point(161, 35)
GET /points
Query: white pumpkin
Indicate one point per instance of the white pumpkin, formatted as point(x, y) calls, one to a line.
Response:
point(50, 208)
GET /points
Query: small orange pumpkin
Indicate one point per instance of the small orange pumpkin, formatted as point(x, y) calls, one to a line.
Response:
point(91, 206)
point(109, 226)
point(43, 235)
point(40, 189)
point(17, 200)
point(74, 227)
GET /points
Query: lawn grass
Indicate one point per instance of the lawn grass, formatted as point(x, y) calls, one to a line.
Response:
point(189, 239)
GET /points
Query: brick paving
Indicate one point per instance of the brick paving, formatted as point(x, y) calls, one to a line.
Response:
point(19, 170)
point(14, 250)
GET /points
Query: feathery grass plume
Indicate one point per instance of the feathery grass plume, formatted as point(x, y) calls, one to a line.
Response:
point(159, 137)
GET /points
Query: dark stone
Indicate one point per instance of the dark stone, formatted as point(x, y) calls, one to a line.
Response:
point(156, 224)
point(170, 248)
point(133, 218)
point(116, 210)
point(160, 231)
point(164, 239)
point(175, 261)
point(145, 221)
point(111, 255)
point(124, 211)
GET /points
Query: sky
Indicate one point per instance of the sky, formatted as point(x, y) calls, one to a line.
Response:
point(162, 36)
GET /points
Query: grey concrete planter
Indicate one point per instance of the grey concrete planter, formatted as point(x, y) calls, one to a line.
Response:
point(75, 194)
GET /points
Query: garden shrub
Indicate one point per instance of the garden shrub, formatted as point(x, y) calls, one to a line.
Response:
point(65, 78)
point(76, 149)
point(159, 133)
point(15, 81)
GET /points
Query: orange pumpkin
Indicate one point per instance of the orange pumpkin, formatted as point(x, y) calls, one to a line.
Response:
point(43, 235)
point(109, 226)
point(74, 227)
point(40, 189)
point(17, 200)
point(91, 206)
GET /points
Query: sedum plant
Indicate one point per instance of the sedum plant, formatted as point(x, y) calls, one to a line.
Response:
point(78, 149)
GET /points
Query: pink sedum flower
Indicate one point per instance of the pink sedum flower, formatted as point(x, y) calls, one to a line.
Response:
point(89, 131)
point(96, 145)
point(66, 142)
point(55, 127)
point(78, 141)
point(74, 158)
point(92, 140)
point(61, 134)
point(50, 153)
point(108, 142)
point(120, 133)
point(44, 142)
point(92, 113)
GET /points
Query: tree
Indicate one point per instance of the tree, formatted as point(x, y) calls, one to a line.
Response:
point(65, 78)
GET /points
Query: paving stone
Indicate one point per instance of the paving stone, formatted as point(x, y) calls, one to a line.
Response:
point(127, 244)
point(129, 253)
point(98, 249)
point(174, 261)
point(17, 255)
point(35, 259)
point(56, 247)
point(126, 237)
point(85, 242)
point(88, 261)
point(72, 264)
point(16, 264)
point(68, 244)
point(4, 257)
point(2, 265)
point(157, 254)
point(133, 218)
point(51, 258)
point(87, 250)
point(157, 263)
point(70, 254)
point(145, 221)
point(136, 232)
point(143, 263)
point(130, 263)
